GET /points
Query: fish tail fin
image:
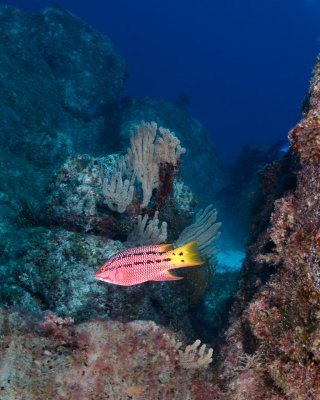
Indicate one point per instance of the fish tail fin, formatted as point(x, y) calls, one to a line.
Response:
point(185, 256)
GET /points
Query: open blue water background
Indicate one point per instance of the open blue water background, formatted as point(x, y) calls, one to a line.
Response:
point(243, 65)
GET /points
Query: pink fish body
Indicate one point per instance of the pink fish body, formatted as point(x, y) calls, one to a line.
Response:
point(148, 263)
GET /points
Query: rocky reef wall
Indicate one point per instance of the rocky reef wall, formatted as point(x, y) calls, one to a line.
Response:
point(273, 342)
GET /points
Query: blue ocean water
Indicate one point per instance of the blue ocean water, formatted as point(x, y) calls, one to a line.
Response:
point(85, 182)
point(241, 67)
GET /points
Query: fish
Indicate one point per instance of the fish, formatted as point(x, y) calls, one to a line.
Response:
point(141, 264)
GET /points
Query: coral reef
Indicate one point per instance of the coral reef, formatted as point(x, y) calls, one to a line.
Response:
point(98, 360)
point(63, 213)
point(209, 174)
point(56, 271)
point(66, 246)
point(106, 194)
point(272, 344)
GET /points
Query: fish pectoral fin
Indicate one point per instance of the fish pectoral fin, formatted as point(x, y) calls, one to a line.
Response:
point(167, 276)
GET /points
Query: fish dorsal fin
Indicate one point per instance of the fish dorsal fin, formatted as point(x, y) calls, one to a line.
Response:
point(166, 247)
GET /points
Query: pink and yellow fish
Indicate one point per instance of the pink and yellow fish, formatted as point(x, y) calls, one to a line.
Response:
point(148, 263)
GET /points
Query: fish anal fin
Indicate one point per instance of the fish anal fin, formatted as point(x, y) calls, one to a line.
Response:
point(167, 276)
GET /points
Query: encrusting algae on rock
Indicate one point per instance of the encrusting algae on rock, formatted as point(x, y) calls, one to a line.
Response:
point(275, 321)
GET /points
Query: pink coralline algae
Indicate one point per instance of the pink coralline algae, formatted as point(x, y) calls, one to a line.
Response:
point(97, 360)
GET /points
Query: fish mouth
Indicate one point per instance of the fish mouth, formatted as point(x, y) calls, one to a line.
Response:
point(102, 276)
point(99, 277)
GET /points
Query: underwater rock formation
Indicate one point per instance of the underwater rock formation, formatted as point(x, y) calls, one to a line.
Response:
point(86, 191)
point(57, 77)
point(272, 344)
point(236, 202)
point(56, 269)
point(61, 82)
point(88, 72)
point(97, 360)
